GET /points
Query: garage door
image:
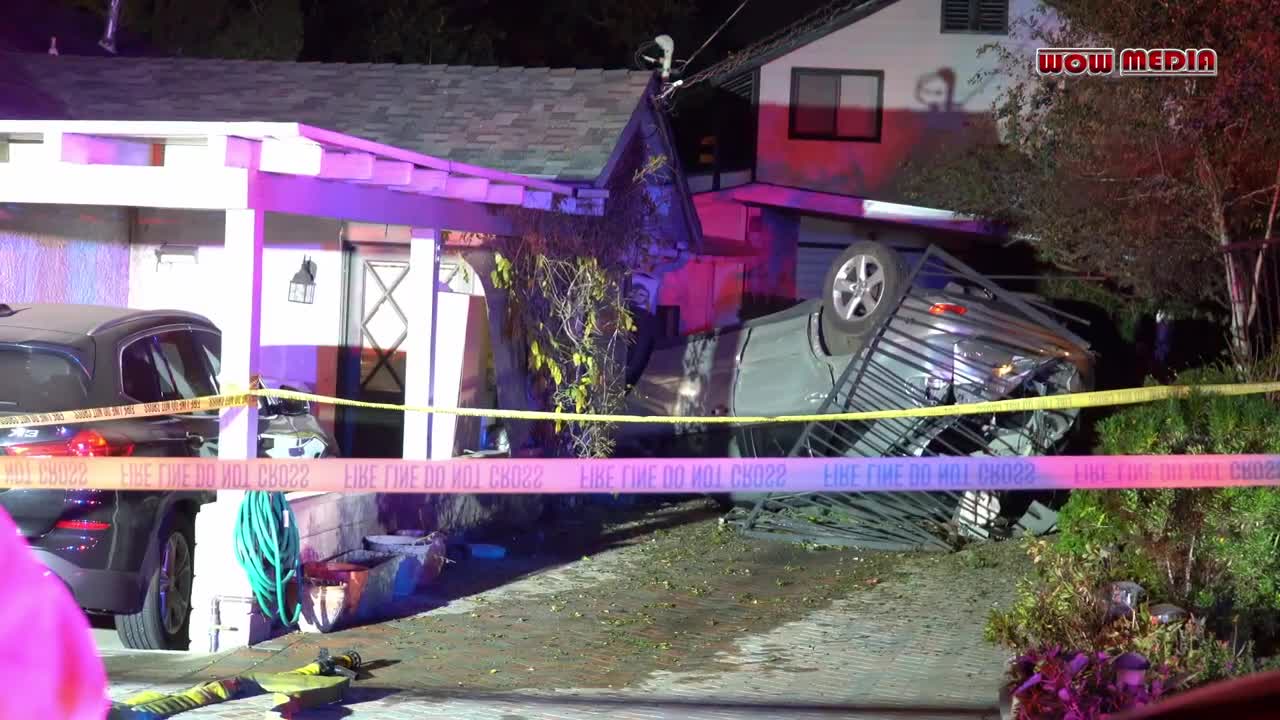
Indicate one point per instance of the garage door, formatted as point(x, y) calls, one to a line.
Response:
point(814, 259)
point(812, 262)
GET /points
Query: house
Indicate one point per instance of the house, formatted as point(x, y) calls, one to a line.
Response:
point(814, 126)
point(568, 127)
point(214, 186)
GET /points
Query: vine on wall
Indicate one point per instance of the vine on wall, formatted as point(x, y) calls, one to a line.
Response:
point(566, 276)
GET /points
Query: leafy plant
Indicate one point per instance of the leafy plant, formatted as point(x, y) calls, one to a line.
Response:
point(566, 276)
point(1061, 605)
point(1188, 652)
point(1058, 605)
point(1057, 684)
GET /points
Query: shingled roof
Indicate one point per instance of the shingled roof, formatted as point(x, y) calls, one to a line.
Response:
point(556, 123)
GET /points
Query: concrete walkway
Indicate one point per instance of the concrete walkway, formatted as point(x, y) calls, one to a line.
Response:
point(889, 637)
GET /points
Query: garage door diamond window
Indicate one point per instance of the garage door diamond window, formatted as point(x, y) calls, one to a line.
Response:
point(384, 326)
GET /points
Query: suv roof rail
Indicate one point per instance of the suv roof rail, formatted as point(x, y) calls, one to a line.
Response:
point(6, 311)
point(134, 315)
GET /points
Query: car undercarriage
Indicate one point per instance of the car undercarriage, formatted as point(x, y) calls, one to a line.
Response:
point(883, 337)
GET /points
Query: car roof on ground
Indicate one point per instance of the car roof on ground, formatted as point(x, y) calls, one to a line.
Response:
point(83, 319)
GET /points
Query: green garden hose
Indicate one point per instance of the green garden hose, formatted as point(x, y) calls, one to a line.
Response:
point(267, 548)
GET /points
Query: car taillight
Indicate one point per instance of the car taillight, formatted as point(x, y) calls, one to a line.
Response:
point(944, 308)
point(95, 525)
point(86, 443)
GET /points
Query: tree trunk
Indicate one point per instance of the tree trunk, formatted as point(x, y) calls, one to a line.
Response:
point(1236, 282)
point(1237, 271)
point(1262, 251)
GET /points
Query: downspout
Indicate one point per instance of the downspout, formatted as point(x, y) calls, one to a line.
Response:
point(108, 41)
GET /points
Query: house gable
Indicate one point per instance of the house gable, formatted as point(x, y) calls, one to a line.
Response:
point(924, 97)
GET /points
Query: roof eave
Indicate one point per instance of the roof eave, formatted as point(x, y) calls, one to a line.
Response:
point(851, 16)
point(628, 132)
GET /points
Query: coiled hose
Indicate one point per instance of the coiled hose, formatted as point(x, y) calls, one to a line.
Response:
point(267, 548)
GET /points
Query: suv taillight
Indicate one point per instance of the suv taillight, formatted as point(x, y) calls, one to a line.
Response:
point(86, 443)
point(944, 308)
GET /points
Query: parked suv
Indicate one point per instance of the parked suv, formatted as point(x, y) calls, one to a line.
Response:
point(126, 554)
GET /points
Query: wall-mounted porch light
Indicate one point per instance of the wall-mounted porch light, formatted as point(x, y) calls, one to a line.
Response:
point(302, 289)
point(176, 255)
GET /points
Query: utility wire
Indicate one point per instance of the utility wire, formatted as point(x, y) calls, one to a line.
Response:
point(723, 25)
point(815, 20)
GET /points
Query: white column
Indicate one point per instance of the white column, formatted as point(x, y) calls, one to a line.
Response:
point(453, 322)
point(420, 307)
point(220, 588)
point(241, 323)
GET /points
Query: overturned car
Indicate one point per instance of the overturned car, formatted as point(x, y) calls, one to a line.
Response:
point(883, 336)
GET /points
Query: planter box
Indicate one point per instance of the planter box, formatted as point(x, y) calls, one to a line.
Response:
point(380, 587)
point(324, 607)
point(423, 557)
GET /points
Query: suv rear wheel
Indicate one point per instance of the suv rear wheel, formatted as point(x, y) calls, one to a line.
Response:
point(164, 621)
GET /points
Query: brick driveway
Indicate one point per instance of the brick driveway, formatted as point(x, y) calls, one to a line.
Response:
point(689, 622)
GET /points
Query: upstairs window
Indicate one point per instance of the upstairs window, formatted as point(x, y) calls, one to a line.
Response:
point(987, 17)
point(845, 105)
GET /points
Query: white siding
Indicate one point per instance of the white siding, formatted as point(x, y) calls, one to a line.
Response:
point(64, 254)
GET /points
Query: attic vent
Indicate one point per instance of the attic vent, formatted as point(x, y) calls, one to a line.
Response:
point(975, 16)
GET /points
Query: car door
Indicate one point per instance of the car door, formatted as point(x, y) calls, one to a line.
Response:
point(168, 364)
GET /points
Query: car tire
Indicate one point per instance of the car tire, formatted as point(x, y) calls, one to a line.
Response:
point(160, 624)
point(849, 316)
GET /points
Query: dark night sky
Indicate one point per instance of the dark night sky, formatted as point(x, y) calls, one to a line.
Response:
point(550, 32)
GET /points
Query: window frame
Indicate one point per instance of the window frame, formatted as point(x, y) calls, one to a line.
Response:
point(196, 332)
point(150, 335)
point(798, 72)
point(973, 14)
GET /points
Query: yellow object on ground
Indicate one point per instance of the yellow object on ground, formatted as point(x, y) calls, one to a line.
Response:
point(322, 682)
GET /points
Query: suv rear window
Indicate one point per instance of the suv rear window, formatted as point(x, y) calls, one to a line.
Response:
point(34, 381)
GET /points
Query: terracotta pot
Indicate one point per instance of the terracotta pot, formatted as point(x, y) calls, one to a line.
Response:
point(352, 577)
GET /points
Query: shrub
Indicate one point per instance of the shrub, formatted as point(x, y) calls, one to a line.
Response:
point(1201, 548)
point(1058, 605)
point(1061, 606)
point(1215, 552)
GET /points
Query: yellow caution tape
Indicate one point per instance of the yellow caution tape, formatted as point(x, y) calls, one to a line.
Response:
point(123, 412)
point(1071, 401)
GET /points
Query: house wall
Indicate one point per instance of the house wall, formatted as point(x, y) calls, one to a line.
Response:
point(708, 291)
point(927, 96)
point(64, 254)
point(299, 342)
point(300, 345)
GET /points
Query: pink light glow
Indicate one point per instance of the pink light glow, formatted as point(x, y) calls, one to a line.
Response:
point(696, 475)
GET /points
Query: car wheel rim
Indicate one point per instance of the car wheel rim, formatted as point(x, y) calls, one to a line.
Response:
point(175, 583)
point(858, 287)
